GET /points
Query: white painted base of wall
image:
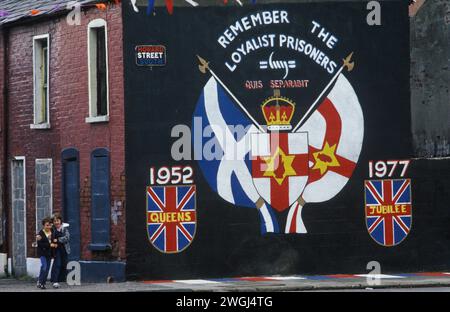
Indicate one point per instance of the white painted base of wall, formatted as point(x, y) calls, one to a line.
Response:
point(3, 264)
point(33, 267)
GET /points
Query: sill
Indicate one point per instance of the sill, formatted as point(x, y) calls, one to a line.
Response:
point(40, 126)
point(99, 247)
point(97, 119)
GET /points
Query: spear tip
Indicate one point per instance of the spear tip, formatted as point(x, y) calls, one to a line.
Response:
point(348, 63)
point(204, 65)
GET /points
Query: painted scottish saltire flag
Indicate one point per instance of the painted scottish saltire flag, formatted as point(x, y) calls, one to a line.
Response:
point(226, 131)
point(171, 217)
point(388, 210)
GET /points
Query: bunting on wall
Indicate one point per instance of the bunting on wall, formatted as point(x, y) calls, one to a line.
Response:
point(150, 7)
point(57, 7)
point(169, 5)
point(102, 7)
point(3, 13)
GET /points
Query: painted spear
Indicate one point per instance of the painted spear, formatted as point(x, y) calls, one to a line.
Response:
point(203, 67)
point(346, 63)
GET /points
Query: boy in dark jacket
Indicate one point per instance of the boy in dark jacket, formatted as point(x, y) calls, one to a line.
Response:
point(44, 250)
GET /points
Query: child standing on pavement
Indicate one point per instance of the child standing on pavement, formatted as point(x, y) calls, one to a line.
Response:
point(44, 251)
point(61, 238)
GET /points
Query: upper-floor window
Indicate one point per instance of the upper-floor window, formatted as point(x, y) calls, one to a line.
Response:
point(98, 71)
point(41, 81)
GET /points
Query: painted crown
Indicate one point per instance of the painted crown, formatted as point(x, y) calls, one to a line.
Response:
point(278, 112)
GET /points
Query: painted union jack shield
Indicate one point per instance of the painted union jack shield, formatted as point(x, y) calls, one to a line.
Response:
point(388, 210)
point(280, 167)
point(171, 217)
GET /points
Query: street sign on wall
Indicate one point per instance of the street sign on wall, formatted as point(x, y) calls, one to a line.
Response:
point(150, 55)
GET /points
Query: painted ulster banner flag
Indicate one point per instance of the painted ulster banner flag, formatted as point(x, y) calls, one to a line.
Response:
point(335, 135)
point(280, 167)
point(335, 132)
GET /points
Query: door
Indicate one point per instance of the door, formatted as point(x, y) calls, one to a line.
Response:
point(18, 197)
point(100, 199)
point(71, 199)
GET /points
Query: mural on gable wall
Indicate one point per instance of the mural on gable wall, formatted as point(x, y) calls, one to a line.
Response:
point(257, 138)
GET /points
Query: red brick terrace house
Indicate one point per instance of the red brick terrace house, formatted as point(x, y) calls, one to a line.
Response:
point(62, 131)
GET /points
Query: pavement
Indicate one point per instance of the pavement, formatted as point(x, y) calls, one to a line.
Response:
point(336, 282)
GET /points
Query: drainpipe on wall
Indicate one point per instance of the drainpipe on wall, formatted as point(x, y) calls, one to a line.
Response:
point(4, 198)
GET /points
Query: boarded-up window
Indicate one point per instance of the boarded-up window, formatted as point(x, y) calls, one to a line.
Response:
point(40, 79)
point(101, 71)
point(98, 71)
point(44, 194)
point(100, 200)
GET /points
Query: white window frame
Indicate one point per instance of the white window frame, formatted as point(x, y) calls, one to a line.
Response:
point(36, 125)
point(24, 198)
point(37, 160)
point(92, 72)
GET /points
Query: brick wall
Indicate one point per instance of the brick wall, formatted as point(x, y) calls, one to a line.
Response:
point(68, 110)
point(2, 211)
point(430, 78)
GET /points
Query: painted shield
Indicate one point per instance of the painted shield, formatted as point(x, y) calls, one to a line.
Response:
point(280, 167)
point(388, 210)
point(171, 217)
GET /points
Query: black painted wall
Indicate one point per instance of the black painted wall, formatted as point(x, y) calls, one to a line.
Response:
point(228, 241)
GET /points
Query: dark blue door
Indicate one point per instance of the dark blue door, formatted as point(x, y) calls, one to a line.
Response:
point(71, 199)
point(100, 199)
